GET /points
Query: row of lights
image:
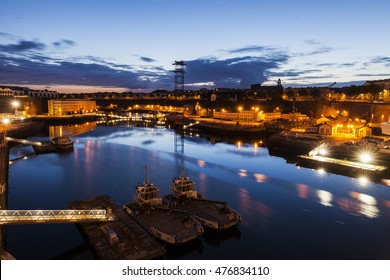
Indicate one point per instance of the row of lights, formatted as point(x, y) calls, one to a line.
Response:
point(364, 156)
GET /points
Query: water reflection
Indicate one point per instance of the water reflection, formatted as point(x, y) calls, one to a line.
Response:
point(201, 163)
point(325, 198)
point(303, 190)
point(260, 178)
point(215, 238)
point(363, 181)
point(367, 204)
point(70, 130)
point(242, 173)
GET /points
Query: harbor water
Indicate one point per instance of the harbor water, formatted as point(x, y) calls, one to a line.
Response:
point(287, 212)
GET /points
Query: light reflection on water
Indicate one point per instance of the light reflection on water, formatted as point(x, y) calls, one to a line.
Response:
point(288, 213)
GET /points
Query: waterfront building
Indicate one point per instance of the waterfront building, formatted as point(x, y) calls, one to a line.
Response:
point(58, 107)
point(241, 116)
point(363, 131)
point(50, 94)
point(272, 116)
point(321, 128)
point(15, 91)
point(6, 92)
point(294, 117)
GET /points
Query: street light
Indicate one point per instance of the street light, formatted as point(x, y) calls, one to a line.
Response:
point(15, 104)
point(238, 115)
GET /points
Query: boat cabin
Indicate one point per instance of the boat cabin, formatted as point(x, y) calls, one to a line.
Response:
point(148, 194)
point(184, 186)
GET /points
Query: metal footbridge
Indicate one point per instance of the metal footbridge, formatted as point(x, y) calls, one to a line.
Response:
point(23, 141)
point(12, 217)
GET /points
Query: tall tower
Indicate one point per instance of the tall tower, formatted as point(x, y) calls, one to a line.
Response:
point(179, 76)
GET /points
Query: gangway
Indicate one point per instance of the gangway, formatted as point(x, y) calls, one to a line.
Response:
point(23, 141)
point(12, 217)
point(191, 124)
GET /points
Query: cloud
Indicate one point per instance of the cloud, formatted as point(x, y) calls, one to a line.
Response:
point(295, 73)
point(22, 46)
point(312, 42)
point(64, 43)
point(238, 72)
point(43, 70)
point(373, 62)
point(146, 59)
point(7, 36)
point(251, 48)
point(27, 62)
point(380, 59)
point(348, 64)
point(373, 75)
point(326, 65)
point(320, 48)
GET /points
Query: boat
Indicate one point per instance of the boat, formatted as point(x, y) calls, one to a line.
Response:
point(63, 143)
point(209, 213)
point(149, 210)
point(230, 130)
point(385, 126)
point(56, 144)
point(293, 143)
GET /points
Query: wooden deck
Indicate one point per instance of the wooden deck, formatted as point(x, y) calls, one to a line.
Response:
point(119, 239)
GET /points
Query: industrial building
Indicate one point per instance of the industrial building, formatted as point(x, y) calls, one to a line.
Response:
point(58, 107)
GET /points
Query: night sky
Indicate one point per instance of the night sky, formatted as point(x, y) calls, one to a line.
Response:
point(92, 45)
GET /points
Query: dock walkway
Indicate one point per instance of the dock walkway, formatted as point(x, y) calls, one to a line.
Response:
point(119, 239)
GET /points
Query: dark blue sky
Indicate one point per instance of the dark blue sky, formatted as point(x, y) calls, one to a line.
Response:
point(118, 45)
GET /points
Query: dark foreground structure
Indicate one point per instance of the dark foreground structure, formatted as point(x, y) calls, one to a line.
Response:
point(122, 239)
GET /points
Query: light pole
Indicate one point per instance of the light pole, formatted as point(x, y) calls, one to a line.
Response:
point(15, 104)
point(238, 115)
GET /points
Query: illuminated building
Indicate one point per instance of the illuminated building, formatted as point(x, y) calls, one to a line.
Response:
point(70, 107)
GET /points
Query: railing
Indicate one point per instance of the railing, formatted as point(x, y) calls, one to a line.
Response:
point(23, 141)
point(53, 216)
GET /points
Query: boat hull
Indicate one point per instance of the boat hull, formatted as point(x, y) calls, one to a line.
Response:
point(46, 147)
point(58, 144)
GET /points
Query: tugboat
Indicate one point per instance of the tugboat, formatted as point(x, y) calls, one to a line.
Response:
point(63, 143)
point(209, 213)
point(60, 144)
point(173, 226)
